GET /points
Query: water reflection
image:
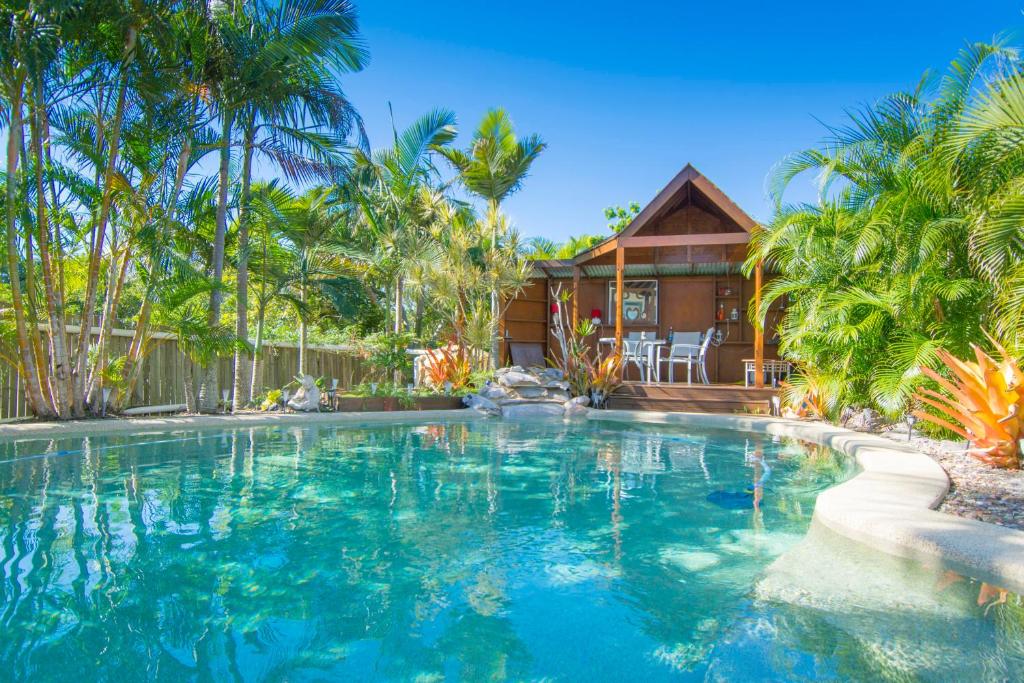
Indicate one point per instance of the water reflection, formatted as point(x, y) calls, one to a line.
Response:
point(477, 550)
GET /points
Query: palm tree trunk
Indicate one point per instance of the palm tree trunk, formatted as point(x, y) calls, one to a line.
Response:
point(303, 332)
point(239, 384)
point(494, 290)
point(256, 381)
point(399, 286)
point(33, 388)
point(96, 255)
point(134, 360)
point(191, 405)
point(208, 389)
point(60, 363)
point(118, 273)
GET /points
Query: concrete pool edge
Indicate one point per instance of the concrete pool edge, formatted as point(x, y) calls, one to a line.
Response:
point(73, 428)
point(889, 505)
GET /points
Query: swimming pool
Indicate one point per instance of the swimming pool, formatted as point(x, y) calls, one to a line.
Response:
point(458, 550)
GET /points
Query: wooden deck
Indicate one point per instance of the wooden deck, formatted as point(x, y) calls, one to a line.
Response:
point(692, 398)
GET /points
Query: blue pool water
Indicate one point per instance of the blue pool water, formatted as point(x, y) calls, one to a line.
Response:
point(453, 551)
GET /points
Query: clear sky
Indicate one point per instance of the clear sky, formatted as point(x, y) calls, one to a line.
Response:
point(625, 94)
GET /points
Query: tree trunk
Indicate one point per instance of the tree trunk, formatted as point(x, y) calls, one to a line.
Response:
point(256, 381)
point(191, 405)
point(303, 332)
point(118, 273)
point(240, 397)
point(208, 389)
point(96, 256)
point(494, 289)
point(60, 362)
point(33, 388)
point(399, 287)
point(134, 360)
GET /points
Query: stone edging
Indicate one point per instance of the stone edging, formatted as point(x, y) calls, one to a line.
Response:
point(56, 430)
point(889, 505)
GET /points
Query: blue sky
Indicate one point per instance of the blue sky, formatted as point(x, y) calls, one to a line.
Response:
point(625, 94)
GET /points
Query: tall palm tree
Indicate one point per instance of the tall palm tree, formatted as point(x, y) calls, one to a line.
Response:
point(387, 186)
point(493, 168)
point(262, 50)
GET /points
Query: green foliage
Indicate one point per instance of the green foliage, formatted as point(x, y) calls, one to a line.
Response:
point(386, 353)
point(619, 218)
point(915, 242)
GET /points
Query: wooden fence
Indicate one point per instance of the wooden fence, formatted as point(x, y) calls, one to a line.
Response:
point(161, 380)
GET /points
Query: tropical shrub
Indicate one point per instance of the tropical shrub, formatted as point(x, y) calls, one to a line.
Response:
point(450, 363)
point(984, 403)
point(915, 242)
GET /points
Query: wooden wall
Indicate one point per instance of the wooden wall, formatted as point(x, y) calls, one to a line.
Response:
point(685, 304)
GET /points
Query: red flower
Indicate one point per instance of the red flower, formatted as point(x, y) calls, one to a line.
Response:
point(554, 308)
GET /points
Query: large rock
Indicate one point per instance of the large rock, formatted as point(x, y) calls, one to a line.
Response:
point(481, 404)
point(307, 398)
point(518, 379)
point(494, 392)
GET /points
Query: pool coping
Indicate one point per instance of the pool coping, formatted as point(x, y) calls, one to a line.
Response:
point(72, 428)
point(889, 504)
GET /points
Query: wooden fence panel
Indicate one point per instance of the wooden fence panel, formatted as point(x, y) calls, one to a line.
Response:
point(162, 378)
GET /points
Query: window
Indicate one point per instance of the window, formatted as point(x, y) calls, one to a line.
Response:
point(639, 305)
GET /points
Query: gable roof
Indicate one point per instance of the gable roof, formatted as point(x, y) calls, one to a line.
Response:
point(689, 175)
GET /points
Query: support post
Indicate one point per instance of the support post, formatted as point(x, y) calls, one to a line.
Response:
point(575, 296)
point(758, 329)
point(620, 267)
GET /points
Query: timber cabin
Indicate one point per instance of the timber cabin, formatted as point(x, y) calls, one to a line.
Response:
point(679, 263)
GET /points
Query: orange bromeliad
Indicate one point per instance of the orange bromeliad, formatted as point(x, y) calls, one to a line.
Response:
point(985, 404)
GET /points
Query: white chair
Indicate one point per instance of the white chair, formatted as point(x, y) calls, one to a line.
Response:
point(633, 352)
point(694, 355)
point(684, 349)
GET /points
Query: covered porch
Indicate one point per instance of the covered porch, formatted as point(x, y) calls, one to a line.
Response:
point(679, 265)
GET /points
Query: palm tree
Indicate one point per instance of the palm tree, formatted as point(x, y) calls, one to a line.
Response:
point(387, 186)
point(493, 168)
point(261, 51)
point(899, 257)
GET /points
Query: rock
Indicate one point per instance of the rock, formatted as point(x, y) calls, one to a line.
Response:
point(557, 395)
point(530, 391)
point(866, 420)
point(517, 379)
point(481, 404)
point(557, 384)
point(494, 392)
point(551, 375)
point(576, 406)
point(307, 398)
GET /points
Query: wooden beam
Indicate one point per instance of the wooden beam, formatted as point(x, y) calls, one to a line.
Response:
point(575, 296)
point(705, 239)
point(758, 329)
point(620, 268)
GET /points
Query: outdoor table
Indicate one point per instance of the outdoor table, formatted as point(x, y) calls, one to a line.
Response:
point(774, 370)
point(651, 347)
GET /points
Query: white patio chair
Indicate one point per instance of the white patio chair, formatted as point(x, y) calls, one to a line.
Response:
point(633, 353)
point(685, 349)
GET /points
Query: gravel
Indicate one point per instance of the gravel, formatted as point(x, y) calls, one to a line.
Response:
point(976, 491)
